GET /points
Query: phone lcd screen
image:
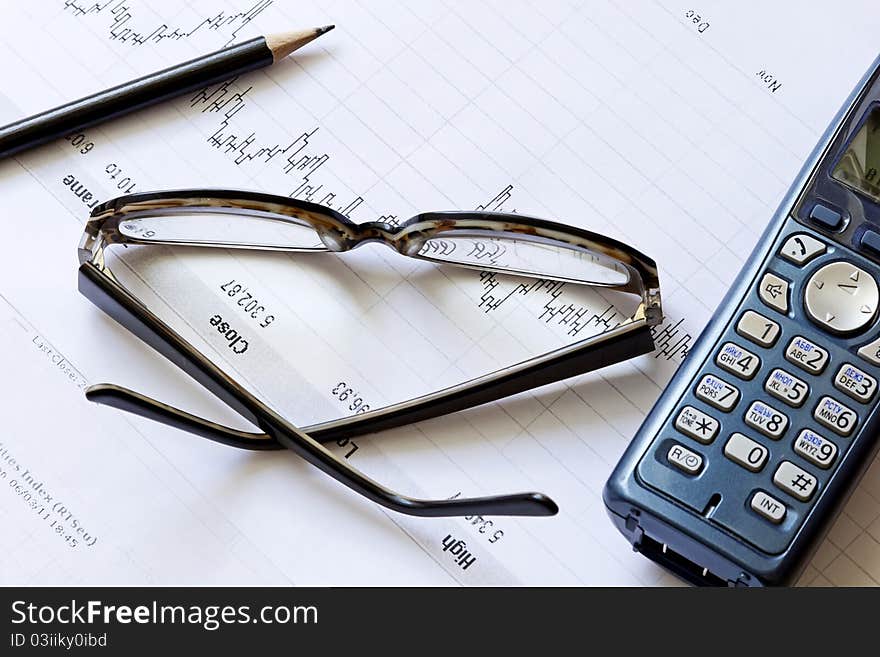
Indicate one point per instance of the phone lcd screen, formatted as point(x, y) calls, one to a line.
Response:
point(859, 167)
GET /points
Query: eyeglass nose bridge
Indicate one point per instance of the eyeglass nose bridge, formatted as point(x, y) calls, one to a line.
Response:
point(368, 232)
point(378, 231)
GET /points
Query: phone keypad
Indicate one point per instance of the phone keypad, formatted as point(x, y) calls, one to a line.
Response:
point(806, 379)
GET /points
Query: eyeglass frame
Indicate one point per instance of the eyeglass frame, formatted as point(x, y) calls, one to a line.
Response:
point(630, 338)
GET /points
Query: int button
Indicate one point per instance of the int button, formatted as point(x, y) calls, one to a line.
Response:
point(768, 506)
point(826, 217)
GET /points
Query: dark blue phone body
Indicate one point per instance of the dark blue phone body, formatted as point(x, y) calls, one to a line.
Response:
point(750, 453)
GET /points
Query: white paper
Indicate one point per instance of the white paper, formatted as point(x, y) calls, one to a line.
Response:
point(630, 119)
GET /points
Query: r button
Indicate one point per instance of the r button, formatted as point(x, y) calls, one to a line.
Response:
point(684, 459)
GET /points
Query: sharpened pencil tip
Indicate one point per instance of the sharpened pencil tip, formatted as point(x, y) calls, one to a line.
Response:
point(285, 43)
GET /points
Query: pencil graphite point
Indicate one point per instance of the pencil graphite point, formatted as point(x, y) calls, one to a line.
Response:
point(284, 43)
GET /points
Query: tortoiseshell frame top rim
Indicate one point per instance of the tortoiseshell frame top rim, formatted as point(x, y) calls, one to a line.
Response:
point(340, 234)
point(631, 338)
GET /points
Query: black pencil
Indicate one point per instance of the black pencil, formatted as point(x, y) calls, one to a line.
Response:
point(152, 89)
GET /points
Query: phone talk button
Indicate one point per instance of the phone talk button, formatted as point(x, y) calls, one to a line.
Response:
point(801, 248)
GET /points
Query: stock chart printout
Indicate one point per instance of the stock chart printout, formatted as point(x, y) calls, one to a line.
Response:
point(672, 130)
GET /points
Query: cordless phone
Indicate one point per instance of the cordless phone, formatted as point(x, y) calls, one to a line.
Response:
point(752, 450)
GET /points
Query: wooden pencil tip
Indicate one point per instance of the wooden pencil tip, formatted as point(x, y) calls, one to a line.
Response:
point(284, 43)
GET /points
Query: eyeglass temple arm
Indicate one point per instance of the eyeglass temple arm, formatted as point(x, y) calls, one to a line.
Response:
point(626, 345)
point(626, 342)
point(98, 288)
point(517, 504)
point(618, 348)
point(124, 399)
point(622, 343)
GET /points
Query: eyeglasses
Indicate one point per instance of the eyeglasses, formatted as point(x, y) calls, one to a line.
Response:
point(489, 241)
